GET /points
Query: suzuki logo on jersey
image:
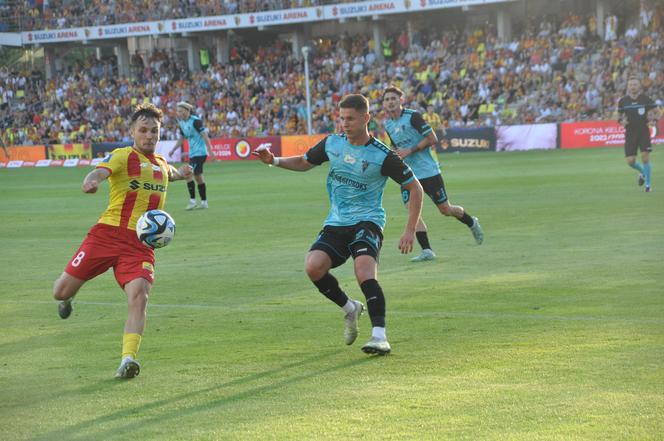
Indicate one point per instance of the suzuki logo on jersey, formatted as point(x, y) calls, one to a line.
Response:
point(135, 185)
point(349, 159)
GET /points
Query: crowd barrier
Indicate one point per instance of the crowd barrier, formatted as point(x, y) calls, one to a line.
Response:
point(572, 135)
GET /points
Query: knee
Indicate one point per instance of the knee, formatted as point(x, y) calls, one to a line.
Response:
point(141, 297)
point(60, 290)
point(315, 270)
point(138, 298)
point(446, 210)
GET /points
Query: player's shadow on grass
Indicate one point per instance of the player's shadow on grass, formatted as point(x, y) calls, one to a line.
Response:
point(82, 429)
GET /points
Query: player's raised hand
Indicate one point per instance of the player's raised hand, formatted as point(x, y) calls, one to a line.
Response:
point(264, 154)
point(406, 242)
point(90, 186)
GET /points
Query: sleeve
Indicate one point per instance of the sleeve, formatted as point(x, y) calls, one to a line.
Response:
point(114, 161)
point(316, 155)
point(621, 106)
point(420, 124)
point(181, 132)
point(198, 125)
point(396, 169)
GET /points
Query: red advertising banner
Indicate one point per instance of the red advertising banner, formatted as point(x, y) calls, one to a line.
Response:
point(30, 153)
point(298, 144)
point(239, 149)
point(601, 134)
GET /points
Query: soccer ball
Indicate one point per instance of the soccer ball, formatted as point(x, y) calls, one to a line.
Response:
point(155, 228)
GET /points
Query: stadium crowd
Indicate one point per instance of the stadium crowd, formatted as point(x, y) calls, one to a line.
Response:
point(551, 72)
point(28, 15)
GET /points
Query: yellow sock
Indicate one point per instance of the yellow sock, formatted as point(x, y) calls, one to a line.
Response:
point(130, 344)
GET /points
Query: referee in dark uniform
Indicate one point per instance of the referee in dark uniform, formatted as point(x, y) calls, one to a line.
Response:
point(635, 110)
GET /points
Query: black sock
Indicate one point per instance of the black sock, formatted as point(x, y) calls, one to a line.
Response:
point(375, 301)
point(329, 287)
point(466, 219)
point(423, 240)
point(201, 191)
point(191, 186)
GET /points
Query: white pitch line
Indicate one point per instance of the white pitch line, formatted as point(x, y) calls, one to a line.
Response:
point(439, 314)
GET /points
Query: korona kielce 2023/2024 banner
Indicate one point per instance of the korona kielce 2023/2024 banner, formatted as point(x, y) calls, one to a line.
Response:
point(585, 134)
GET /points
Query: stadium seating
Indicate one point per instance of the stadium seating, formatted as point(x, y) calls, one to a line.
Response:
point(554, 72)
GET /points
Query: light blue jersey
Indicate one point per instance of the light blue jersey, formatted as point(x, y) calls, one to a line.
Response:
point(357, 178)
point(407, 131)
point(191, 129)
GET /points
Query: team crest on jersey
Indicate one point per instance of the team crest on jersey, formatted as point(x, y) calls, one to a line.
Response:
point(642, 111)
point(365, 165)
point(349, 159)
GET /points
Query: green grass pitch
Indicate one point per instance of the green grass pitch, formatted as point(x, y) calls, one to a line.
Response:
point(553, 329)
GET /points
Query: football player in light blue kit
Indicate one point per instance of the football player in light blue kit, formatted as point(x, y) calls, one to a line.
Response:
point(192, 129)
point(413, 138)
point(359, 168)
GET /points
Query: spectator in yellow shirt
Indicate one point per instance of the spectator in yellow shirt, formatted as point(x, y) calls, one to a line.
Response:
point(433, 119)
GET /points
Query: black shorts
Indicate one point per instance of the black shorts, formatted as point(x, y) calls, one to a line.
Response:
point(197, 164)
point(637, 139)
point(433, 186)
point(362, 239)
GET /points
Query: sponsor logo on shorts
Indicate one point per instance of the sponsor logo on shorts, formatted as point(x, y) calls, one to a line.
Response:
point(148, 266)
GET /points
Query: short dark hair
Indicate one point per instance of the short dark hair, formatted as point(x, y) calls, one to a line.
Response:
point(147, 111)
point(355, 101)
point(393, 89)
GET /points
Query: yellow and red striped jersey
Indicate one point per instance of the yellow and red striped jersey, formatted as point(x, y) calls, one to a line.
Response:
point(138, 183)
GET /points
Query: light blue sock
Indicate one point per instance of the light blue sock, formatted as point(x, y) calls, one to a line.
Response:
point(646, 173)
point(638, 167)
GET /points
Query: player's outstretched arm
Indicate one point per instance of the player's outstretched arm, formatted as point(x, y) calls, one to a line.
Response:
point(93, 179)
point(177, 174)
point(414, 212)
point(295, 163)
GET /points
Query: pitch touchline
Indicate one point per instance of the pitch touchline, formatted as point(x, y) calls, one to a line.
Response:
point(392, 312)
